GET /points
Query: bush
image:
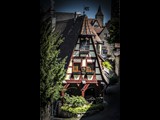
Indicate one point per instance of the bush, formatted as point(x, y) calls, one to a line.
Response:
point(82, 109)
point(78, 105)
point(74, 101)
point(75, 110)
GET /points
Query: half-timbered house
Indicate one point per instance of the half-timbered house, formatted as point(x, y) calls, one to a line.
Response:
point(82, 46)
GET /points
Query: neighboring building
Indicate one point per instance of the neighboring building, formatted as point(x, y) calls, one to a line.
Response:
point(99, 16)
point(117, 58)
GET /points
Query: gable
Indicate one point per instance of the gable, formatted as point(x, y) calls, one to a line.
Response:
point(80, 60)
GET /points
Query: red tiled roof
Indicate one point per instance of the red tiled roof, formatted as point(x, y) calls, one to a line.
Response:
point(86, 27)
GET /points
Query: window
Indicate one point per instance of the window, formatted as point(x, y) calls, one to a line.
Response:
point(84, 45)
point(90, 67)
point(76, 67)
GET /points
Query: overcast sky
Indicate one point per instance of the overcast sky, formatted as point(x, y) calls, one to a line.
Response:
point(78, 5)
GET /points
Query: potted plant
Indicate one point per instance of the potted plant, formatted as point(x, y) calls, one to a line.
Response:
point(107, 65)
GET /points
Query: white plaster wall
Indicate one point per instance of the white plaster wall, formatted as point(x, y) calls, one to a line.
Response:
point(70, 63)
point(75, 53)
point(92, 54)
point(90, 77)
point(96, 64)
point(97, 70)
point(67, 77)
point(76, 77)
point(77, 60)
point(83, 55)
point(69, 70)
point(98, 77)
point(77, 47)
point(91, 47)
point(84, 63)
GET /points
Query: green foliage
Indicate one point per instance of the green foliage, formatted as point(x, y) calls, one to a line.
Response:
point(52, 71)
point(82, 109)
point(76, 110)
point(78, 104)
point(107, 65)
point(75, 101)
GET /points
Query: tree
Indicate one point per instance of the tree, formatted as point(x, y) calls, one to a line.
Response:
point(52, 71)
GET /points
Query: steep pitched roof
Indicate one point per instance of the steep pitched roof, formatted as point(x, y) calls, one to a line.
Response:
point(70, 31)
point(86, 27)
